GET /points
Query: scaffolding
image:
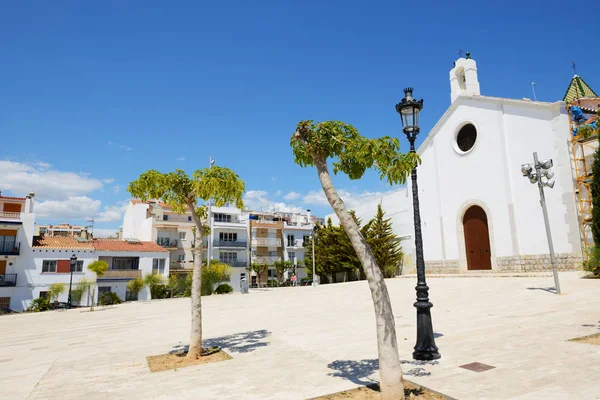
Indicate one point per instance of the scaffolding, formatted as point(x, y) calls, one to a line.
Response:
point(583, 152)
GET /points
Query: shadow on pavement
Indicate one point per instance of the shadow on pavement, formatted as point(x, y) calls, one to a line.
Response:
point(546, 289)
point(359, 372)
point(245, 342)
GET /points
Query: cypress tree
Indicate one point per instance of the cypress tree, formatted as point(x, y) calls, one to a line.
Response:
point(595, 187)
point(384, 243)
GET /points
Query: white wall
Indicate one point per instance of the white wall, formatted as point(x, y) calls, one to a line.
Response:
point(136, 224)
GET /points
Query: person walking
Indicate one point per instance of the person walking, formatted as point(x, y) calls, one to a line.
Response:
point(293, 279)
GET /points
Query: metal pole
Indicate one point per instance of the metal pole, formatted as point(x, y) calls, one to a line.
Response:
point(70, 284)
point(546, 221)
point(314, 281)
point(210, 225)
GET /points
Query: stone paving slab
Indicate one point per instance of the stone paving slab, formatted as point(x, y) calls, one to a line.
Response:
point(298, 343)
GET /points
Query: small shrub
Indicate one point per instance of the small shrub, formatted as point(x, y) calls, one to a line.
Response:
point(109, 298)
point(223, 288)
point(272, 283)
point(593, 263)
point(159, 292)
point(39, 304)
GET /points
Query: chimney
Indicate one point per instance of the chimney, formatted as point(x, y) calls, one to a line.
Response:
point(308, 216)
point(29, 201)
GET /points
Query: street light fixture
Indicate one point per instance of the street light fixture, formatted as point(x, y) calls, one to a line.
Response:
point(543, 177)
point(425, 348)
point(73, 265)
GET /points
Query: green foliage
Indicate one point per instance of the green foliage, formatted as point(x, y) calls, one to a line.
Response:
point(55, 290)
point(593, 262)
point(213, 275)
point(109, 298)
point(260, 269)
point(187, 286)
point(272, 282)
point(154, 281)
point(223, 288)
point(384, 243)
point(159, 292)
point(98, 267)
point(595, 188)
point(173, 285)
point(135, 285)
point(39, 304)
point(82, 287)
point(281, 267)
point(76, 295)
point(313, 142)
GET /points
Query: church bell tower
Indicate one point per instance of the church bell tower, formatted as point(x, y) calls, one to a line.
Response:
point(463, 78)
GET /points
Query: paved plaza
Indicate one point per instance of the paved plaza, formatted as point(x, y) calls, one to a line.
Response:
point(298, 343)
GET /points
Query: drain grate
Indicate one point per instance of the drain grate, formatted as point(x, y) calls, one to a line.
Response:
point(477, 367)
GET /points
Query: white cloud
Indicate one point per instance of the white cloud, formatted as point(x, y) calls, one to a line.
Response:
point(258, 200)
point(74, 207)
point(352, 200)
point(116, 188)
point(126, 148)
point(48, 184)
point(278, 193)
point(292, 196)
point(112, 213)
point(41, 164)
point(316, 197)
point(108, 180)
point(181, 159)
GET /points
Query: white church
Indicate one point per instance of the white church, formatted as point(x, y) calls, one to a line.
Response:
point(478, 212)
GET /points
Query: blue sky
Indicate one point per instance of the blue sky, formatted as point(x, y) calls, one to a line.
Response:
point(94, 93)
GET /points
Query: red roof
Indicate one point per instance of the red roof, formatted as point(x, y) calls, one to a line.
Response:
point(60, 242)
point(124, 245)
point(12, 198)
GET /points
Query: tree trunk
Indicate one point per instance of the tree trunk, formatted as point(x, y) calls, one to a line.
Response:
point(195, 349)
point(389, 362)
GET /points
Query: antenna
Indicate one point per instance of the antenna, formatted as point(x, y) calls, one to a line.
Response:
point(574, 66)
point(533, 88)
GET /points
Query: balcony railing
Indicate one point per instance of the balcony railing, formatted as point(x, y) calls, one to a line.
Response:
point(295, 243)
point(7, 214)
point(265, 259)
point(10, 249)
point(266, 242)
point(8, 280)
point(225, 243)
point(235, 264)
point(120, 274)
point(165, 242)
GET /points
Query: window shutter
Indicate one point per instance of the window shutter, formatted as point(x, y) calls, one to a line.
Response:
point(63, 266)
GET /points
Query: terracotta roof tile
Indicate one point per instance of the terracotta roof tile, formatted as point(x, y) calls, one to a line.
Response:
point(124, 245)
point(12, 198)
point(60, 242)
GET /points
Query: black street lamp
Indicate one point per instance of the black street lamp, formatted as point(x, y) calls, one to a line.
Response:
point(425, 349)
point(73, 266)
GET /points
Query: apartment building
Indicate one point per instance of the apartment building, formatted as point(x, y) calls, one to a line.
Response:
point(228, 241)
point(266, 244)
point(155, 221)
point(77, 231)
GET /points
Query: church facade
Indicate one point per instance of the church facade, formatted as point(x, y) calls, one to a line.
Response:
point(478, 212)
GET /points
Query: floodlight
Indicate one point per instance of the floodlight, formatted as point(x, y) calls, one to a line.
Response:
point(546, 164)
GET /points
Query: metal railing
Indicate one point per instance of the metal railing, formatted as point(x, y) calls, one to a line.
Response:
point(8, 214)
point(265, 259)
point(296, 243)
point(10, 249)
point(226, 243)
point(268, 242)
point(235, 264)
point(165, 242)
point(8, 280)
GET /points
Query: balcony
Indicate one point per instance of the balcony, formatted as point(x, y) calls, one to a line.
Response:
point(225, 243)
point(120, 274)
point(266, 242)
point(232, 223)
point(298, 243)
point(8, 280)
point(265, 223)
point(265, 259)
point(236, 264)
point(10, 215)
point(166, 242)
point(10, 249)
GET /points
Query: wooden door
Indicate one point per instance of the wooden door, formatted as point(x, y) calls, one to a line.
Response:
point(2, 267)
point(477, 239)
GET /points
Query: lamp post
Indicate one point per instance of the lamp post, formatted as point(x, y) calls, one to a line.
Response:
point(425, 348)
point(312, 237)
point(72, 268)
point(543, 170)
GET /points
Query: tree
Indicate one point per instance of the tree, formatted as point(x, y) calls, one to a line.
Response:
point(281, 267)
point(259, 269)
point(173, 284)
point(82, 287)
point(135, 285)
point(213, 275)
point(184, 193)
point(384, 243)
point(56, 289)
point(153, 281)
point(99, 268)
point(312, 145)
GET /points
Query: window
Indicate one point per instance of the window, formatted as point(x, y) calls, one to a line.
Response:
point(49, 266)
point(43, 231)
point(222, 218)
point(4, 302)
point(272, 273)
point(7, 244)
point(466, 137)
point(181, 257)
point(131, 296)
point(158, 265)
point(227, 237)
point(79, 266)
point(273, 253)
point(125, 263)
point(102, 290)
point(291, 240)
point(227, 257)
point(305, 241)
point(165, 217)
point(44, 294)
point(189, 218)
point(181, 235)
point(291, 256)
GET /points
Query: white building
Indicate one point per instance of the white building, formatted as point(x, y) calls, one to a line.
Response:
point(155, 221)
point(477, 210)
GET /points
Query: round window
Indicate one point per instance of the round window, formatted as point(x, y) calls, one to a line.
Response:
point(466, 137)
